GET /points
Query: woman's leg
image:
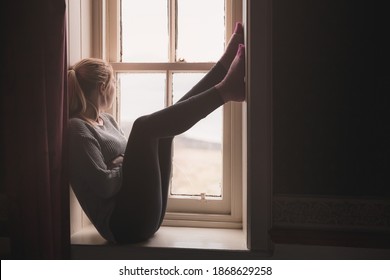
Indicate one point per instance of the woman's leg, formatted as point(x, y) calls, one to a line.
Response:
point(212, 78)
point(139, 203)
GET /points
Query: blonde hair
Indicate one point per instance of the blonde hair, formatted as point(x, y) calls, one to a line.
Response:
point(83, 78)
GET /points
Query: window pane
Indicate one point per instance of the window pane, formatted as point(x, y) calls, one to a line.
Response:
point(201, 30)
point(197, 159)
point(139, 94)
point(144, 31)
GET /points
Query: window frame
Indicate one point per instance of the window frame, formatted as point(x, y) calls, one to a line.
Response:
point(225, 213)
point(85, 39)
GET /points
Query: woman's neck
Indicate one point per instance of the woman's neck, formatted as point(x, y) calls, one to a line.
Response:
point(92, 115)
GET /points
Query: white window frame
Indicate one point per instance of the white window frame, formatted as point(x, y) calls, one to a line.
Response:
point(86, 39)
point(194, 211)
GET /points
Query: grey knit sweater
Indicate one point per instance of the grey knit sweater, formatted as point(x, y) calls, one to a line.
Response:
point(91, 148)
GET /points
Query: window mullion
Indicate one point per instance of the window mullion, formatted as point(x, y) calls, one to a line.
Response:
point(172, 49)
point(172, 29)
point(169, 90)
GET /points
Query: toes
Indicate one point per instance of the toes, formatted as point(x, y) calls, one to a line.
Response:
point(239, 29)
point(241, 50)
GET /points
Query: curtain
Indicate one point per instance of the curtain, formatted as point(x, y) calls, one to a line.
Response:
point(34, 104)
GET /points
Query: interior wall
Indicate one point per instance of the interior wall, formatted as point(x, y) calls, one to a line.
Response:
point(79, 20)
point(330, 101)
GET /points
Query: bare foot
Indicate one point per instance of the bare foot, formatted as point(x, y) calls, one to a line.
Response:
point(232, 87)
point(231, 49)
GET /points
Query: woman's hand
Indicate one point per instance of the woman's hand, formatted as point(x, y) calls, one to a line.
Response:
point(116, 162)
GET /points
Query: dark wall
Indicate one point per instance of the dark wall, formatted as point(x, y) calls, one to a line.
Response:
point(330, 86)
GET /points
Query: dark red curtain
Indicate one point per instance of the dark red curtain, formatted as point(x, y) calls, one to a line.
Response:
point(34, 104)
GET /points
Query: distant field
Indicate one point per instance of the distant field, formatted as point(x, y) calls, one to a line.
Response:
point(196, 169)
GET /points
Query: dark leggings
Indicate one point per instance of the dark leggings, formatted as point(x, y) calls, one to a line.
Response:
point(141, 202)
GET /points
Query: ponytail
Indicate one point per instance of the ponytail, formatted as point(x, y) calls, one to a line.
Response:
point(77, 100)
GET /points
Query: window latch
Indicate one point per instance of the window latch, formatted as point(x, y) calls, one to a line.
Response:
point(203, 197)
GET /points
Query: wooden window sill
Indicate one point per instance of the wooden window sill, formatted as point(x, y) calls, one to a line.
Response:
point(168, 242)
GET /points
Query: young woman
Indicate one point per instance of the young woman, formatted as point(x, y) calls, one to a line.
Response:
point(122, 185)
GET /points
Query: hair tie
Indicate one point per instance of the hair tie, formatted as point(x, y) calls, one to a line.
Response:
point(72, 72)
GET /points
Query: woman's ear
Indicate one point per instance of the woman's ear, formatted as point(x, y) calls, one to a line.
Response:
point(102, 88)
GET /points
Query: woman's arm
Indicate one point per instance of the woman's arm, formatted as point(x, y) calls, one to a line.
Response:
point(89, 169)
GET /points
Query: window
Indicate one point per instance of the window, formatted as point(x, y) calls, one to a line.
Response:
point(90, 36)
point(159, 49)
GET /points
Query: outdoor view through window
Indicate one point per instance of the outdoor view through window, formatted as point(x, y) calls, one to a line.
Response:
point(199, 37)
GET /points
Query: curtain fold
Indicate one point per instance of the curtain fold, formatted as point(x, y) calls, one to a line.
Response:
point(35, 120)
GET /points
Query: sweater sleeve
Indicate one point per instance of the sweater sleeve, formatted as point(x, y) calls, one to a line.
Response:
point(88, 166)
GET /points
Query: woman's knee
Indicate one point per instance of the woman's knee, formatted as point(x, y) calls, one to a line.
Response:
point(140, 123)
point(141, 126)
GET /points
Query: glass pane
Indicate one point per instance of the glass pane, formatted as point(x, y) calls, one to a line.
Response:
point(144, 31)
point(201, 30)
point(197, 159)
point(140, 94)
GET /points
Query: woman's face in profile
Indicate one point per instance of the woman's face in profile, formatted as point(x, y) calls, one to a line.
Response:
point(109, 94)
